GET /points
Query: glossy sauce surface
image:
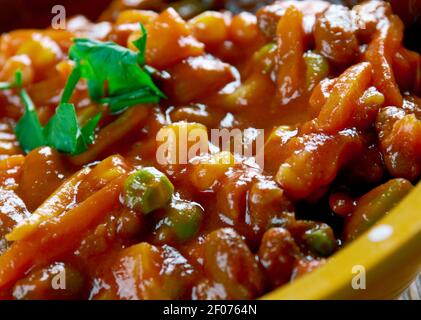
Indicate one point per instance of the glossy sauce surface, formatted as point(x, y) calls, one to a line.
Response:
point(334, 90)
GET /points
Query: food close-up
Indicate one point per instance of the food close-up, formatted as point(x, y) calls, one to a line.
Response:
point(111, 177)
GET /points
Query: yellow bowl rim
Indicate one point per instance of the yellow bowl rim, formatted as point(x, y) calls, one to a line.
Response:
point(333, 280)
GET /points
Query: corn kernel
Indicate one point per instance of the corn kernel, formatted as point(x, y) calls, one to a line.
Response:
point(133, 37)
point(274, 151)
point(210, 27)
point(136, 16)
point(107, 170)
point(210, 169)
point(180, 142)
point(42, 51)
point(15, 63)
point(243, 29)
point(65, 68)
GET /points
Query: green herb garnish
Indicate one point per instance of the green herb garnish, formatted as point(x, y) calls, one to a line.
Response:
point(62, 131)
point(29, 130)
point(115, 75)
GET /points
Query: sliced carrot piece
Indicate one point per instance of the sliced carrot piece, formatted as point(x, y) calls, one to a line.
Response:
point(407, 69)
point(112, 133)
point(320, 95)
point(291, 68)
point(52, 207)
point(315, 160)
point(106, 171)
point(10, 171)
point(86, 181)
point(339, 108)
point(380, 53)
point(58, 236)
point(11, 162)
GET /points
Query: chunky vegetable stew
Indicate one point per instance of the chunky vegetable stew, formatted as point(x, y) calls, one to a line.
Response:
point(112, 185)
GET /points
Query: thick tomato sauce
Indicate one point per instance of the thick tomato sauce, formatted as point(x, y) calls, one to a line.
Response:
point(334, 90)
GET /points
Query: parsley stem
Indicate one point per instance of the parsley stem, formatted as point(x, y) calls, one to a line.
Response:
point(27, 101)
point(6, 85)
point(71, 83)
point(120, 103)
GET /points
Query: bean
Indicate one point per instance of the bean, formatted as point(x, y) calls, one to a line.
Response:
point(374, 205)
point(228, 260)
point(278, 253)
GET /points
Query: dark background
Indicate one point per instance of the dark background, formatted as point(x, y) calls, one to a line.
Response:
point(37, 13)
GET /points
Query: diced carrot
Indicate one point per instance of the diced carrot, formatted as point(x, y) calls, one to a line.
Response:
point(244, 29)
point(206, 172)
point(136, 16)
point(210, 27)
point(42, 173)
point(170, 40)
point(196, 78)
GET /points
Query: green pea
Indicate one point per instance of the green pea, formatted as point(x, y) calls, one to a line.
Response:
point(317, 68)
point(320, 240)
point(181, 222)
point(264, 58)
point(147, 189)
